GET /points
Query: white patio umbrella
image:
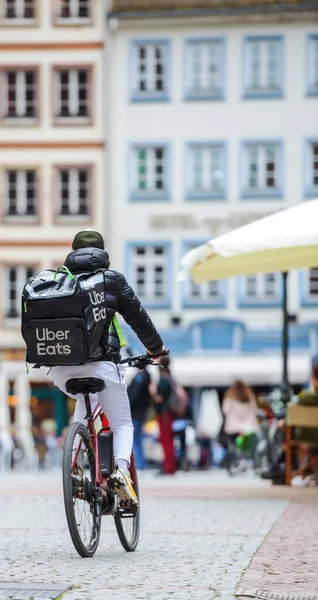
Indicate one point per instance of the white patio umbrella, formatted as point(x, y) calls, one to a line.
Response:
point(285, 240)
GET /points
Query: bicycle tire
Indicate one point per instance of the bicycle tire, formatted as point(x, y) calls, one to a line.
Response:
point(129, 543)
point(235, 463)
point(84, 549)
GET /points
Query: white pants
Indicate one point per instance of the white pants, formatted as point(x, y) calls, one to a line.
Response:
point(113, 400)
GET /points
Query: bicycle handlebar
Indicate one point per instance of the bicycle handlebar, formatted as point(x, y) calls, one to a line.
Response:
point(142, 360)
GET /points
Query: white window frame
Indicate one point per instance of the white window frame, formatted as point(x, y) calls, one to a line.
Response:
point(20, 19)
point(213, 168)
point(150, 260)
point(21, 101)
point(73, 103)
point(306, 296)
point(314, 272)
point(204, 298)
point(74, 189)
point(264, 46)
point(151, 192)
point(204, 61)
point(74, 17)
point(262, 160)
point(260, 298)
point(21, 201)
point(21, 279)
point(150, 66)
point(312, 65)
point(311, 189)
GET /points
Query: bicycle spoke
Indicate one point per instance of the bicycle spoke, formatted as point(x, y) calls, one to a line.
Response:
point(82, 512)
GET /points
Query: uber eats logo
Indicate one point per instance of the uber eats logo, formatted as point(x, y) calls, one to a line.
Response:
point(58, 339)
point(97, 299)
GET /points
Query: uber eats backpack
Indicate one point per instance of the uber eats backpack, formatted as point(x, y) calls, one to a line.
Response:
point(63, 317)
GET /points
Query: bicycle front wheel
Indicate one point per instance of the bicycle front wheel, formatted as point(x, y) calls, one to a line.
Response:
point(83, 512)
point(127, 520)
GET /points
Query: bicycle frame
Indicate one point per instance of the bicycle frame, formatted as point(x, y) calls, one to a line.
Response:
point(91, 418)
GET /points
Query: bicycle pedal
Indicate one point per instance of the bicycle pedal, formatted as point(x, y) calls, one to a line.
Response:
point(124, 503)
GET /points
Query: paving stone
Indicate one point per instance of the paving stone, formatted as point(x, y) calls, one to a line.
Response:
point(286, 564)
point(189, 549)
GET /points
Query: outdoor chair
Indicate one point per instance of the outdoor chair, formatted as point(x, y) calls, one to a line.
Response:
point(306, 452)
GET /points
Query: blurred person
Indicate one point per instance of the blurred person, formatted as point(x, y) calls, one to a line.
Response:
point(165, 417)
point(139, 394)
point(240, 410)
point(7, 447)
point(52, 456)
point(209, 423)
point(40, 445)
point(309, 398)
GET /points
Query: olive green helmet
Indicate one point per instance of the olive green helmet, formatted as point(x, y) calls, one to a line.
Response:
point(88, 238)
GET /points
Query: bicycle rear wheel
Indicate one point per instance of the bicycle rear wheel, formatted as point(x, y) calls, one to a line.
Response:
point(127, 520)
point(83, 512)
point(236, 462)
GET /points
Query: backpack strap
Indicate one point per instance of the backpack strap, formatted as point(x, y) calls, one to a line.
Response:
point(120, 335)
point(67, 271)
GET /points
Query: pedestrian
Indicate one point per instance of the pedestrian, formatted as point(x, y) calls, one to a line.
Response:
point(88, 256)
point(240, 410)
point(7, 446)
point(165, 417)
point(139, 394)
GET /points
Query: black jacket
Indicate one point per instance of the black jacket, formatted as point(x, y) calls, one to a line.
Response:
point(120, 298)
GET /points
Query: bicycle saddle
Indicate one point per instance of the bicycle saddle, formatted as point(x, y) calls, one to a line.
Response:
point(84, 385)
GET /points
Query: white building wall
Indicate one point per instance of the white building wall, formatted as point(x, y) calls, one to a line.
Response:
point(290, 119)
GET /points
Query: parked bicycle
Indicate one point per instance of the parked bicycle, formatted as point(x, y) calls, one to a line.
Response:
point(270, 436)
point(87, 464)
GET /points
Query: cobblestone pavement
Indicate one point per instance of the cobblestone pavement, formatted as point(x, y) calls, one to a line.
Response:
point(191, 548)
point(286, 563)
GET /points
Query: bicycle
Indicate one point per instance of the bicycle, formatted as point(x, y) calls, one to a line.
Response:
point(87, 465)
point(240, 453)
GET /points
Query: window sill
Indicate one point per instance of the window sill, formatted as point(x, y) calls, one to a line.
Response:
point(10, 323)
point(311, 193)
point(20, 219)
point(67, 219)
point(149, 198)
point(312, 93)
point(261, 304)
point(18, 22)
point(309, 303)
point(263, 95)
point(71, 121)
point(152, 306)
point(205, 197)
point(151, 99)
point(73, 21)
point(192, 97)
point(207, 305)
point(20, 122)
point(262, 196)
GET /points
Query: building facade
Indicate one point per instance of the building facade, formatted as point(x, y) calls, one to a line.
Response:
point(52, 159)
point(214, 123)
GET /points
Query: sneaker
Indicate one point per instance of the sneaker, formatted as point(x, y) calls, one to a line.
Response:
point(122, 485)
point(298, 481)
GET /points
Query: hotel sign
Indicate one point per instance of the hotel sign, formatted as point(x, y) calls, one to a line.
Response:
point(186, 221)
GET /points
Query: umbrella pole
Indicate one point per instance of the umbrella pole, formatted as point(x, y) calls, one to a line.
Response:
point(285, 386)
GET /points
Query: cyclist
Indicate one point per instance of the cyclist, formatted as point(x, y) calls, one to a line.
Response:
point(88, 254)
